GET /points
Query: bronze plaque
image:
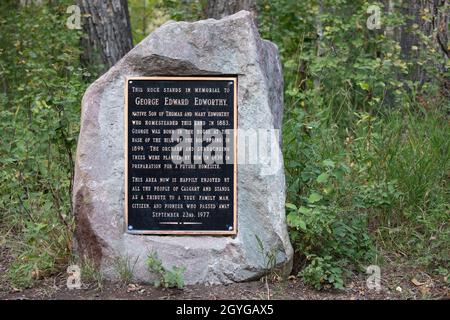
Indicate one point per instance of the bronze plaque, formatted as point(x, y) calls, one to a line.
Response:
point(180, 155)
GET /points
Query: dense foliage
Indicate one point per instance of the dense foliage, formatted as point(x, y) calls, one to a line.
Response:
point(40, 96)
point(366, 145)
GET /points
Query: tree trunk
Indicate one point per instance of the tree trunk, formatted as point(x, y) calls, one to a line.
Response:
point(218, 9)
point(319, 44)
point(431, 18)
point(26, 3)
point(107, 32)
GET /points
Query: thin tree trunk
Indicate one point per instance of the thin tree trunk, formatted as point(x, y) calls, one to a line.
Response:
point(319, 45)
point(218, 9)
point(144, 19)
point(108, 32)
point(26, 3)
point(437, 27)
point(428, 17)
point(431, 18)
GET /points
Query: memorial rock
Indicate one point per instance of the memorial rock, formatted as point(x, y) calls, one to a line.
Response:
point(240, 233)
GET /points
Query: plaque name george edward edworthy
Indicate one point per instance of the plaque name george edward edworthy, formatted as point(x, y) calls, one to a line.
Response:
point(180, 151)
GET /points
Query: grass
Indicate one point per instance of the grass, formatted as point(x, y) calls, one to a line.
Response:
point(124, 267)
point(396, 174)
point(90, 273)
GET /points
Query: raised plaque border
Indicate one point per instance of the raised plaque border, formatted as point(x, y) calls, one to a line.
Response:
point(235, 126)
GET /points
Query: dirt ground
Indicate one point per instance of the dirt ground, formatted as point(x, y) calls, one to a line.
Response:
point(394, 287)
point(397, 282)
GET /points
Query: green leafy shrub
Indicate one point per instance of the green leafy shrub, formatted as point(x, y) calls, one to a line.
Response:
point(168, 278)
point(323, 270)
point(330, 235)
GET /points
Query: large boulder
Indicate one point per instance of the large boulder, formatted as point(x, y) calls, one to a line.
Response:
point(228, 46)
